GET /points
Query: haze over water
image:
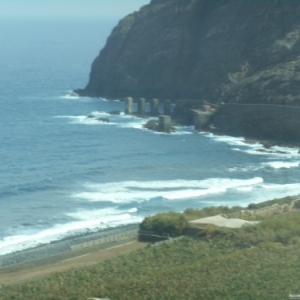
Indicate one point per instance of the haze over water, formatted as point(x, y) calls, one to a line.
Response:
point(62, 173)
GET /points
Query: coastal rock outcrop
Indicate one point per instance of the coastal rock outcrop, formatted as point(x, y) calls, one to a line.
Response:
point(221, 50)
point(230, 51)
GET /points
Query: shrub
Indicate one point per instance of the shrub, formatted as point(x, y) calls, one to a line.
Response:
point(279, 201)
point(171, 223)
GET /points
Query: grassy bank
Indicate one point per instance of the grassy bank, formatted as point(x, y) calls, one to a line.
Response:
point(255, 262)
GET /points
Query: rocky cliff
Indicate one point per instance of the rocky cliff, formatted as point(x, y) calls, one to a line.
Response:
point(232, 51)
point(221, 51)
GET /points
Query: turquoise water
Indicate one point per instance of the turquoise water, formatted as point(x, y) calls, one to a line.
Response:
point(62, 173)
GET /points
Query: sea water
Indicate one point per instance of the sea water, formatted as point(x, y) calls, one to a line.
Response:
point(63, 173)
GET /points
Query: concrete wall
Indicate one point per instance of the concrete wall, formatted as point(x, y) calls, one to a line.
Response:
point(109, 239)
point(262, 121)
point(60, 250)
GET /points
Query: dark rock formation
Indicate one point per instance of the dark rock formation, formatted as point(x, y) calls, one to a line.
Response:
point(103, 120)
point(157, 125)
point(221, 50)
point(152, 125)
point(231, 51)
point(100, 119)
point(115, 112)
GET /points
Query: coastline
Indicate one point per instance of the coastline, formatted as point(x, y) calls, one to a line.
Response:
point(85, 249)
point(271, 143)
point(68, 247)
point(56, 252)
point(250, 140)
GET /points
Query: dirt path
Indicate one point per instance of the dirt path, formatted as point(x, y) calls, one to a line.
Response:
point(13, 275)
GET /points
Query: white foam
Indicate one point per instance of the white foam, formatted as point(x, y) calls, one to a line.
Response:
point(70, 96)
point(282, 164)
point(244, 169)
point(133, 122)
point(103, 215)
point(182, 133)
point(255, 194)
point(291, 151)
point(134, 125)
point(235, 141)
point(270, 152)
point(86, 220)
point(133, 210)
point(121, 121)
point(251, 190)
point(85, 120)
point(193, 193)
point(169, 184)
point(99, 114)
point(135, 191)
point(213, 191)
point(272, 191)
point(132, 117)
point(179, 130)
point(245, 189)
point(184, 130)
point(255, 148)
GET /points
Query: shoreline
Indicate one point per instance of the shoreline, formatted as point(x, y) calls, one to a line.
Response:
point(266, 143)
point(52, 251)
point(68, 247)
point(77, 251)
point(56, 252)
point(271, 143)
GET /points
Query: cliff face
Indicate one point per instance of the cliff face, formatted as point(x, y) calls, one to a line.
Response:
point(221, 51)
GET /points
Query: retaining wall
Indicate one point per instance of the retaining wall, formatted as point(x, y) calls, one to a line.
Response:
point(109, 239)
point(63, 249)
point(262, 121)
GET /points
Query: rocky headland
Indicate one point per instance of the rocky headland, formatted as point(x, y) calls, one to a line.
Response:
point(241, 55)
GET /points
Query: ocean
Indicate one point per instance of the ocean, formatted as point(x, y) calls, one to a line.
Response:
point(63, 173)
